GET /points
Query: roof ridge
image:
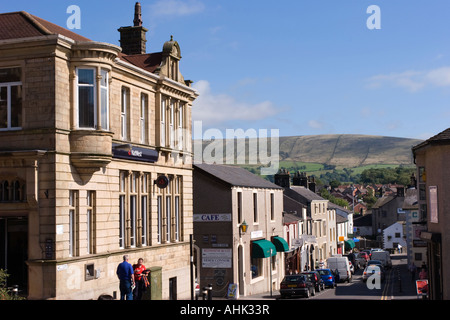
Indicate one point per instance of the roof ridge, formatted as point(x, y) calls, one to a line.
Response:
point(35, 22)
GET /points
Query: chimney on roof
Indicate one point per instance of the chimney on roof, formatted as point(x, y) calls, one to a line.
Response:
point(137, 15)
point(300, 179)
point(133, 39)
point(282, 178)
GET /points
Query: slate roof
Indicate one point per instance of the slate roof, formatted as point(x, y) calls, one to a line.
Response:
point(291, 205)
point(443, 137)
point(21, 24)
point(149, 62)
point(235, 176)
point(302, 193)
point(382, 201)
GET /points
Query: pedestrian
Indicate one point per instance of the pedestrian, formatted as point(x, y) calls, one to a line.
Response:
point(413, 270)
point(139, 275)
point(336, 276)
point(125, 274)
point(423, 274)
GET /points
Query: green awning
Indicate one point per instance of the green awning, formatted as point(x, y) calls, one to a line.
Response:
point(263, 249)
point(349, 244)
point(280, 244)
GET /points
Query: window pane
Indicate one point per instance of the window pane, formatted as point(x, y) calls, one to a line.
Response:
point(144, 219)
point(104, 109)
point(86, 107)
point(85, 76)
point(121, 221)
point(10, 75)
point(3, 107)
point(133, 221)
point(104, 81)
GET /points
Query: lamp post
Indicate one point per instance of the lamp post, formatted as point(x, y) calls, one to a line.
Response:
point(243, 227)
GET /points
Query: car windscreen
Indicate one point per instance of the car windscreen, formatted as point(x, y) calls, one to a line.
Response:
point(294, 279)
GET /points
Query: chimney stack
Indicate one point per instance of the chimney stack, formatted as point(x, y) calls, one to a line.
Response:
point(133, 39)
point(137, 15)
point(282, 178)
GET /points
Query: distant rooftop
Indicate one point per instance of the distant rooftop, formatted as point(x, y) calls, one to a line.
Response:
point(443, 137)
point(235, 176)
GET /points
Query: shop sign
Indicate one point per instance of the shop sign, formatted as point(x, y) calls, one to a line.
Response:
point(212, 217)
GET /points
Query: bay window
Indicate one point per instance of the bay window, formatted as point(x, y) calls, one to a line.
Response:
point(93, 98)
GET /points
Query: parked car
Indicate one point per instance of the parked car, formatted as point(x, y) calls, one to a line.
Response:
point(384, 257)
point(352, 267)
point(316, 279)
point(296, 284)
point(360, 261)
point(370, 262)
point(197, 289)
point(339, 265)
point(365, 255)
point(373, 269)
point(327, 277)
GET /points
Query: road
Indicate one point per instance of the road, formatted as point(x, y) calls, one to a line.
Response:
point(396, 286)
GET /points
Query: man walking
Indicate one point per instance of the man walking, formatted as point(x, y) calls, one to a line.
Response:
point(125, 273)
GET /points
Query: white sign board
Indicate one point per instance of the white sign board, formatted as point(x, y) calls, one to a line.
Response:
point(217, 258)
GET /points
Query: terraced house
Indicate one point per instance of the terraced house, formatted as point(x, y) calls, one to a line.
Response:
point(95, 160)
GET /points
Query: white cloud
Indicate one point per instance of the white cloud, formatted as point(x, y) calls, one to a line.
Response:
point(215, 109)
point(407, 80)
point(176, 7)
point(315, 124)
point(411, 80)
point(439, 77)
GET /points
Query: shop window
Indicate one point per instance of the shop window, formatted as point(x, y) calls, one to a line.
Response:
point(256, 267)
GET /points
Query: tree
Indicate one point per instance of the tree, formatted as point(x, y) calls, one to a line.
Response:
point(5, 293)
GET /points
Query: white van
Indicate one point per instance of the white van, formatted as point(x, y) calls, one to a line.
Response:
point(382, 256)
point(340, 263)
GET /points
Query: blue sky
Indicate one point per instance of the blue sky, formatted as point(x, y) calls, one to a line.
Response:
point(304, 67)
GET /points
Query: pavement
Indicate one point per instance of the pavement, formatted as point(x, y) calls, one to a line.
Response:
point(401, 287)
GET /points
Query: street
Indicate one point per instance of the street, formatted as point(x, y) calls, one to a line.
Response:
point(396, 286)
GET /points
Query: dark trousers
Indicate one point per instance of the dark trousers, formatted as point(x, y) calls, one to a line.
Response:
point(125, 290)
point(139, 290)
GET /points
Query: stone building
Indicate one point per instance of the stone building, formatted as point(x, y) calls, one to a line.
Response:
point(433, 175)
point(320, 234)
point(95, 160)
point(238, 230)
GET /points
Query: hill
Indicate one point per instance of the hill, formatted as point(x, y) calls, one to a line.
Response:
point(347, 150)
point(342, 157)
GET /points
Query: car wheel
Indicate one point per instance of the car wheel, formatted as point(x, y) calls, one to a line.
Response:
point(308, 294)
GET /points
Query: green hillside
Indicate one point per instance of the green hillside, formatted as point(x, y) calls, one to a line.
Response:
point(321, 154)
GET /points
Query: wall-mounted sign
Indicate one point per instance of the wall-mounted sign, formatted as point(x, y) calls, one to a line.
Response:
point(162, 182)
point(129, 152)
point(433, 204)
point(216, 258)
point(212, 217)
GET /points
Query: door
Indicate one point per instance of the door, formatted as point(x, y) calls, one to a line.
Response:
point(173, 289)
point(14, 251)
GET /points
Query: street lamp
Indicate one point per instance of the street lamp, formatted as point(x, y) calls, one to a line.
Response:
point(243, 227)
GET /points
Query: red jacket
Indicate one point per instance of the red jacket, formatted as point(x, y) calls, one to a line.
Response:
point(138, 271)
